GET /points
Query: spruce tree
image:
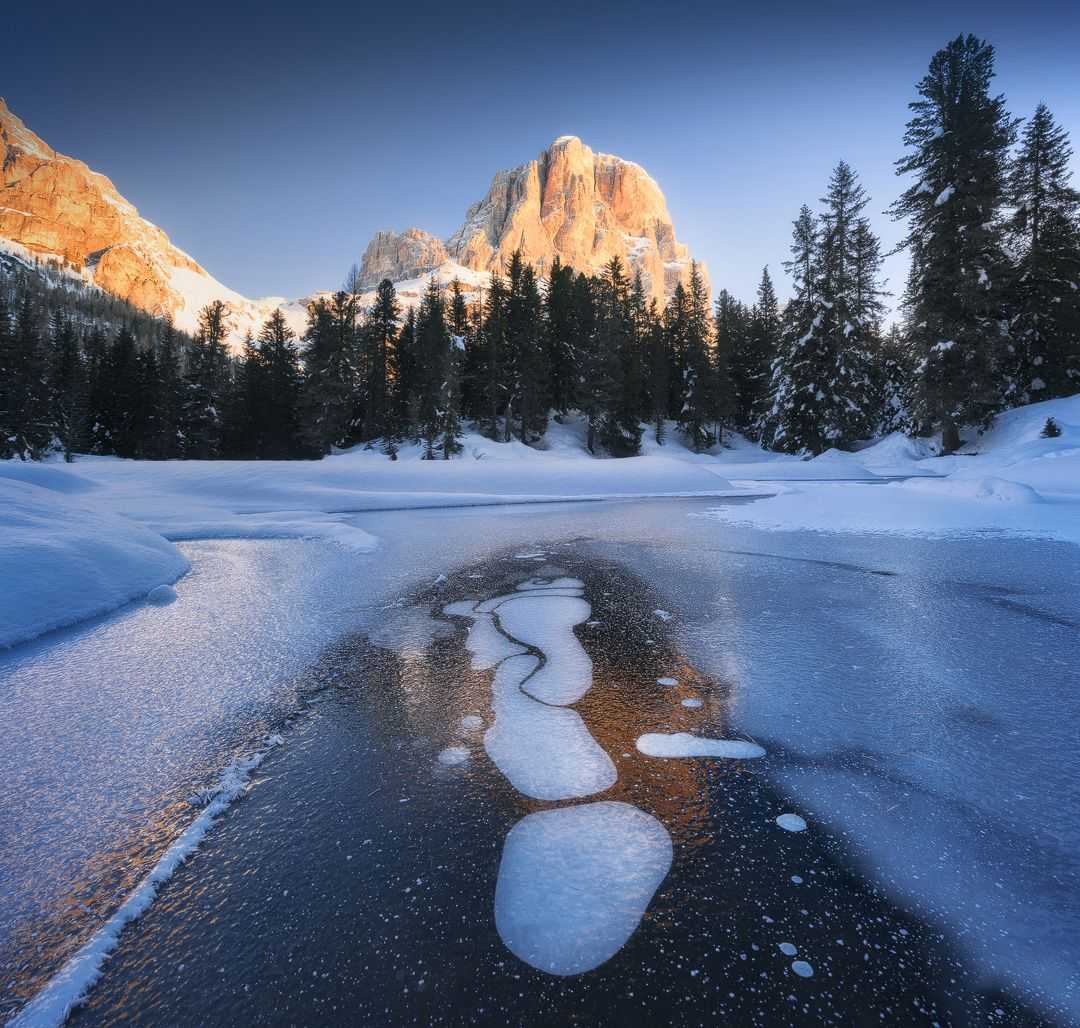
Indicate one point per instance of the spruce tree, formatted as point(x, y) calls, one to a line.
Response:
point(166, 443)
point(525, 366)
point(278, 430)
point(494, 388)
point(698, 407)
point(331, 359)
point(67, 386)
point(751, 362)
point(206, 380)
point(1045, 237)
point(617, 364)
point(559, 340)
point(958, 140)
point(378, 340)
point(25, 417)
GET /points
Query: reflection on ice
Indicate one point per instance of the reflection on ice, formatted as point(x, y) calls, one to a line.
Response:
point(575, 882)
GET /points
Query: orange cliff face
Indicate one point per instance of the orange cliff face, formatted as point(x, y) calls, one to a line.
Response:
point(55, 206)
point(571, 203)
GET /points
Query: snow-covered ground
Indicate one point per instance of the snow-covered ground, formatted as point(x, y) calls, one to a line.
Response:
point(80, 539)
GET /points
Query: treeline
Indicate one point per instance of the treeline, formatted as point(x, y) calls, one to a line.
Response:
point(990, 319)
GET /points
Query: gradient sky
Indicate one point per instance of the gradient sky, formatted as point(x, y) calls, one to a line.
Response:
point(271, 140)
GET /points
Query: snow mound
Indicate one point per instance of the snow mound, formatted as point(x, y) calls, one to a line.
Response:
point(62, 561)
point(989, 487)
point(161, 596)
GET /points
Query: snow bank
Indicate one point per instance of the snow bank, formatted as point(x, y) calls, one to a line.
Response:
point(1011, 480)
point(997, 490)
point(62, 560)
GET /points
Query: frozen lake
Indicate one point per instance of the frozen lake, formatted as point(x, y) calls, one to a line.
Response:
point(918, 703)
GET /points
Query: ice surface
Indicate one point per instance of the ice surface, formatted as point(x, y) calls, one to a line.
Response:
point(471, 722)
point(791, 823)
point(555, 583)
point(453, 755)
point(788, 949)
point(485, 642)
point(691, 702)
point(51, 1006)
point(574, 883)
point(546, 752)
point(683, 744)
point(667, 681)
point(802, 969)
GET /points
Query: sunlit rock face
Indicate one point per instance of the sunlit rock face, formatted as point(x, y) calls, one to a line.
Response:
point(55, 206)
point(397, 256)
point(581, 207)
point(570, 203)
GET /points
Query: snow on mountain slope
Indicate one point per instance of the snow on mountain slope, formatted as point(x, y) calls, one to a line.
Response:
point(55, 209)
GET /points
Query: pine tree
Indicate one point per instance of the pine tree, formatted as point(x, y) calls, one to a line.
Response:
point(618, 386)
point(731, 329)
point(958, 140)
point(205, 383)
point(559, 341)
point(494, 388)
point(525, 366)
point(331, 358)
point(659, 367)
point(167, 441)
point(751, 362)
point(378, 339)
point(698, 406)
point(67, 386)
point(278, 391)
point(98, 388)
point(438, 415)
point(1045, 236)
point(25, 422)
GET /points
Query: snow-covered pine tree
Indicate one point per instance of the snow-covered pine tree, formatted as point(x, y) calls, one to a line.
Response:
point(958, 140)
point(1045, 237)
point(166, 442)
point(731, 328)
point(658, 362)
point(439, 417)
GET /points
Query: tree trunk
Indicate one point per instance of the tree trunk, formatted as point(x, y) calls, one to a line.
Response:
point(950, 436)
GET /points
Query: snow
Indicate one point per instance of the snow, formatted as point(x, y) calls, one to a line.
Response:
point(691, 702)
point(1008, 481)
point(683, 744)
point(575, 882)
point(63, 560)
point(452, 756)
point(51, 1006)
point(944, 196)
point(161, 596)
point(791, 823)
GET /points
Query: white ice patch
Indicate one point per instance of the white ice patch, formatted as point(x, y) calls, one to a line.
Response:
point(485, 642)
point(547, 623)
point(663, 615)
point(691, 702)
point(789, 949)
point(667, 681)
point(545, 752)
point(471, 722)
point(791, 823)
point(453, 755)
point(683, 744)
point(51, 1006)
point(575, 882)
point(802, 969)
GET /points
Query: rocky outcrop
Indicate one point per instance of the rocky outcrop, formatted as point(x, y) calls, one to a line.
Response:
point(399, 256)
point(581, 207)
point(570, 203)
point(56, 206)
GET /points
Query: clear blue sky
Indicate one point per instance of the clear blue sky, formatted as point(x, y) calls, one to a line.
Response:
point(271, 140)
